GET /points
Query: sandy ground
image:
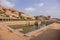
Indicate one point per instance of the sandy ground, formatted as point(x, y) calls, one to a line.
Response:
point(52, 32)
point(5, 34)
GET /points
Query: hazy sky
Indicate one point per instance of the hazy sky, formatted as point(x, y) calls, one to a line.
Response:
point(35, 7)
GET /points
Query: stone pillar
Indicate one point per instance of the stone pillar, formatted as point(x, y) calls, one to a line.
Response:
point(2, 19)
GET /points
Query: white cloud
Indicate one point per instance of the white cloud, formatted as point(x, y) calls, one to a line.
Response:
point(41, 11)
point(30, 9)
point(6, 3)
point(40, 4)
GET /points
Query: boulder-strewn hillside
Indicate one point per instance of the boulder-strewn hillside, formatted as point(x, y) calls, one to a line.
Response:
point(47, 19)
point(10, 13)
point(13, 14)
point(41, 17)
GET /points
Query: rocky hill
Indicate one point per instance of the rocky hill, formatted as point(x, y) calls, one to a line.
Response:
point(10, 13)
point(13, 14)
point(47, 19)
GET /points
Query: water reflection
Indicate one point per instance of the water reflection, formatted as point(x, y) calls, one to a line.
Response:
point(26, 28)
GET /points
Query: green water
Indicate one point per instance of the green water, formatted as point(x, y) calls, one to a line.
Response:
point(25, 28)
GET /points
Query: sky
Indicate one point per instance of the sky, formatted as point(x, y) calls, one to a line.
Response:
point(35, 7)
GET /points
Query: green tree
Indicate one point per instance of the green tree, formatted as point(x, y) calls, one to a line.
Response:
point(20, 16)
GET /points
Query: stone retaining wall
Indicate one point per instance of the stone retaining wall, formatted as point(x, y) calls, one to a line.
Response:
point(19, 22)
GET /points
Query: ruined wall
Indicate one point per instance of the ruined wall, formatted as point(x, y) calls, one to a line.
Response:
point(18, 22)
